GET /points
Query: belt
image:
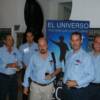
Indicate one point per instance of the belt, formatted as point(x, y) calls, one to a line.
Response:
point(41, 83)
point(7, 76)
point(97, 84)
point(73, 88)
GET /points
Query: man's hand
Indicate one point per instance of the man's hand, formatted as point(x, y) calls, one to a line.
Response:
point(12, 65)
point(26, 91)
point(24, 65)
point(71, 83)
point(48, 77)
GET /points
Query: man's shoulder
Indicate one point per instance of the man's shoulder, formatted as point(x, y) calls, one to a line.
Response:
point(15, 49)
point(69, 52)
point(90, 53)
point(85, 55)
point(35, 45)
point(23, 45)
point(35, 55)
point(3, 48)
point(82, 51)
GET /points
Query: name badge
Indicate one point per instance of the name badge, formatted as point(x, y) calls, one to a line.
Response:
point(26, 50)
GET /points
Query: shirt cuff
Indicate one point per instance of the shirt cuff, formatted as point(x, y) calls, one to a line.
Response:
point(25, 85)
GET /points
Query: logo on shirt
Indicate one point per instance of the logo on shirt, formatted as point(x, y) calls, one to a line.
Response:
point(35, 49)
point(77, 62)
point(14, 53)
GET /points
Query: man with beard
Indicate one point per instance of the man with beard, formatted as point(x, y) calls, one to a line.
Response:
point(41, 72)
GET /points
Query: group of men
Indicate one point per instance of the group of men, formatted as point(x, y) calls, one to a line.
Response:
point(81, 79)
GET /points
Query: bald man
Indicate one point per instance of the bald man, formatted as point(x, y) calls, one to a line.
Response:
point(41, 72)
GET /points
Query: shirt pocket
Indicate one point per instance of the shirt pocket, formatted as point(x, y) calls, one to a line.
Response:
point(37, 66)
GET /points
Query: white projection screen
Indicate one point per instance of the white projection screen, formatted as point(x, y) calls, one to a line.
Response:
point(86, 10)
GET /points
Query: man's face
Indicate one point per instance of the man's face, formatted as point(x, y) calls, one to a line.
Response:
point(76, 42)
point(96, 44)
point(9, 41)
point(42, 46)
point(29, 37)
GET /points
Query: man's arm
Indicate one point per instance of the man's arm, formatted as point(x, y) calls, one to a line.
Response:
point(54, 74)
point(57, 70)
point(89, 70)
point(27, 76)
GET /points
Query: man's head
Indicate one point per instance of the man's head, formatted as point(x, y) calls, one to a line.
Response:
point(96, 43)
point(9, 41)
point(76, 40)
point(42, 44)
point(29, 37)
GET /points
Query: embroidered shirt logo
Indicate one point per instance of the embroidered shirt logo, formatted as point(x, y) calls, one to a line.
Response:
point(77, 62)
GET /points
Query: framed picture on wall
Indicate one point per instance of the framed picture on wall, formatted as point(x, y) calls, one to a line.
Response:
point(3, 33)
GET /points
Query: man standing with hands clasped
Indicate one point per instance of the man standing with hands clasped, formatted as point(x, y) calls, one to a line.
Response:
point(41, 72)
point(79, 71)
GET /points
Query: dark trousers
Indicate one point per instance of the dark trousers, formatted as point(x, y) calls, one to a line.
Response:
point(25, 97)
point(8, 87)
point(95, 91)
point(77, 94)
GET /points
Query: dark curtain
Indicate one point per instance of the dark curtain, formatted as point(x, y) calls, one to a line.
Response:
point(34, 17)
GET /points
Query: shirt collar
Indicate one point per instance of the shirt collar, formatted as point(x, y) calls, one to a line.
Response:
point(5, 48)
point(96, 55)
point(31, 43)
point(78, 52)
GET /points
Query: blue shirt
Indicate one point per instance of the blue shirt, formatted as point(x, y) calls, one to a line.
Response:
point(38, 67)
point(8, 58)
point(79, 67)
point(27, 51)
point(96, 61)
